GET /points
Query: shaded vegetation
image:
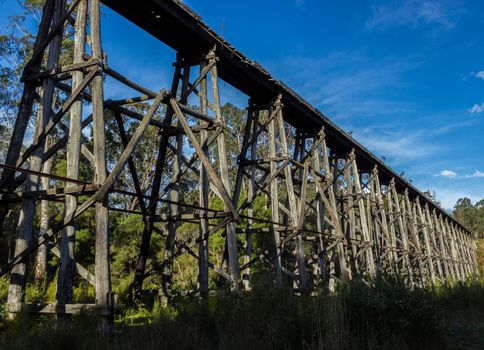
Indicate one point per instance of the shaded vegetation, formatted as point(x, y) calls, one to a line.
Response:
point(383, 316)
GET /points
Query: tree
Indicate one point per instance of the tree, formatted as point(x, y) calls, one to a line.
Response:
point(471, 216)
point(15, 49)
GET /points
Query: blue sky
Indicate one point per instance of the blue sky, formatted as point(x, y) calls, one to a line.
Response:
point(405, 76)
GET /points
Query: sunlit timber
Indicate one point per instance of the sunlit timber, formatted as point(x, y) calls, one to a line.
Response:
point(337, 212)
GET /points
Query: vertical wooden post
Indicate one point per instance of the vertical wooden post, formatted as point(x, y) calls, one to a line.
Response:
point(41, 260)
point(351, 228)
point(428, 248)
point(370, 263)
point(102, 269)
point(392, 231)
point(388, 241)
point(463, 251)
point(224, 174)
point(66, 266)
point(474, 255)
point(330, 203)
point(423, 250)
point(458, 253)
point(402, 228)
point(275, 200)
point(25, 225)
point(433, 241)
point(469, 263)
point(174, 195)
point(320, 224)
point(251, 127)
point(443, 246)
point(473, 246)
point(254, 115)
point(345, 274)
point(453, 250)
point(203, 195)
point(374, 226)
point(303, 178)
point(470, 257)
point(291, 197)
point(372, 233)
point(412, 226)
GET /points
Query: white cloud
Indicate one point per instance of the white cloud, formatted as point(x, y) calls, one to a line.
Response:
point(448, 173)
point(440, 14)
point(480, 74)
point(354, 84)
point(452, 174)
point(477, 108)
point(476, 173)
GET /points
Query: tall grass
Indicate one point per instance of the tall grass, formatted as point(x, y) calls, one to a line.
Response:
point(385, 315)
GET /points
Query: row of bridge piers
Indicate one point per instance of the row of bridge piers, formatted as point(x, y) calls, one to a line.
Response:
point(331, 215)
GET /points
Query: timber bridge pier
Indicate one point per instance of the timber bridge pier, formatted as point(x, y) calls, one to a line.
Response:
point(337, 212)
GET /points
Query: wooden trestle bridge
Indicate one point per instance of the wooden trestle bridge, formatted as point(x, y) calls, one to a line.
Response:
point(337, 211)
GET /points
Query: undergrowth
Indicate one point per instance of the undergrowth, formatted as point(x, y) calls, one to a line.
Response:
point(385, 315)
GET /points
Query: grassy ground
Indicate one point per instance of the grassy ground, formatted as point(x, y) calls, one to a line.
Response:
point(384, 316)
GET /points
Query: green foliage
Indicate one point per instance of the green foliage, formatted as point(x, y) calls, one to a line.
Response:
point(470, 215)
point(3, 287)
point(385, 315)
point(83, 293)
point(35, 293)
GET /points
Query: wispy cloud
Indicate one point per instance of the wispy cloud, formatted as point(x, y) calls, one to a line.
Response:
point(453, 175)
point(357, 92)
point(477, 108)
point(440, 14)
point(396, 146)
point(448, 173)
point(480, 74)
point(349, 84)
point(476, 173)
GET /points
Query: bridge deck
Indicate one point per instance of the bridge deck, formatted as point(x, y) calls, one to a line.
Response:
point(183, 30)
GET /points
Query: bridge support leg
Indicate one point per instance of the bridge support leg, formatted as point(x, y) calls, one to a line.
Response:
point(284, 164)
point(102, 258)
point(251, 128)
point(155, 193)
point(405, 266)
point(323, 256)
point(25, 226)
point(67, 259)
point(232, 245)
point(204, 185)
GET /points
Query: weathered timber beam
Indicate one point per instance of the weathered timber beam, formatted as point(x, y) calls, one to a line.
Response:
point(59, 191)
point(60, 70)
point(81, 270)
point(184, 31)
point(69, 309)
